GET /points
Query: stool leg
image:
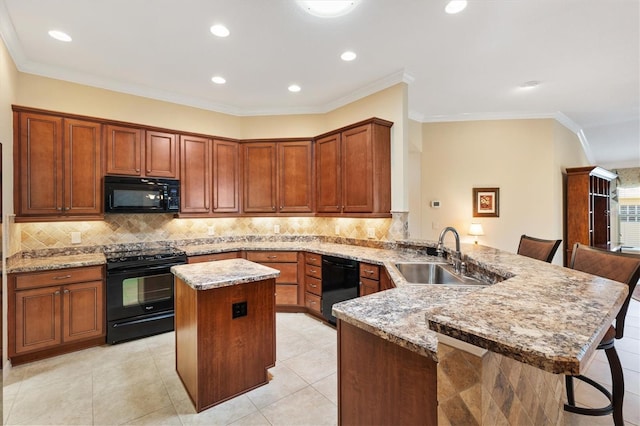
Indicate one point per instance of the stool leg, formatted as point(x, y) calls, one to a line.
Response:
point(617, 378)
point(568, 380)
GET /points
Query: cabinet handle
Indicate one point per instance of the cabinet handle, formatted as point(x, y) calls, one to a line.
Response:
point(148, 171)
point(313, 285)
point(137, 170)
point(66, 291)
point(57, 293)
point(63, 277)
point(369, 272)
point(59, 209)
point(272, 257)
point(313, 271)
point(273, 208)
point(337, 207)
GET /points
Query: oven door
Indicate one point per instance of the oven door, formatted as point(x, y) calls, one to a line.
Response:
point(136, 292)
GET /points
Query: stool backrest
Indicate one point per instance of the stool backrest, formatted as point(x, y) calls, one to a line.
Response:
point(621, 267)
point(537, 248)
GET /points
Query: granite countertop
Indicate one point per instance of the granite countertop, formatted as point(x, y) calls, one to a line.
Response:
point(543, 315)
point(222, 273)
point(22, 264)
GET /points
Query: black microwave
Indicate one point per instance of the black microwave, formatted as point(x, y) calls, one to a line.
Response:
point(141, 195)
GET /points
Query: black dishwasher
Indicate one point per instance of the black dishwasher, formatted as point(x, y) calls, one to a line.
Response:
point(339, 282)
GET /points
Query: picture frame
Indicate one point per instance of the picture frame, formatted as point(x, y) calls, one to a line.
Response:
point(486, 202)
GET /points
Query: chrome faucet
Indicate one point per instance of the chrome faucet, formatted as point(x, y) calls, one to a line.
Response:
point(458, 265)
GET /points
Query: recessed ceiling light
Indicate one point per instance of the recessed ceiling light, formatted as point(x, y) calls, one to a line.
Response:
point(218, 80)
point(294, 88)
point(219, 30)
point(59, 35)
point(348, 56)
point(530, 84)
point(328, 8)
point(455, 6)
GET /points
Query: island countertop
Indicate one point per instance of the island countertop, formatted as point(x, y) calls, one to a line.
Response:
point(222, 273)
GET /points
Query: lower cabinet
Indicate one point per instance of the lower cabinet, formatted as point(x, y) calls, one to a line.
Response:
point(313, 282)
point(287, 283)
point(214, 256)
point(49, 311)
point(369, 279)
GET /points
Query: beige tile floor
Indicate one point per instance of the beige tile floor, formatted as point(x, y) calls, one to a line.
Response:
point(135, 383)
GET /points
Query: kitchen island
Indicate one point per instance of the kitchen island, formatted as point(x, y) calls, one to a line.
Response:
point(225, 328)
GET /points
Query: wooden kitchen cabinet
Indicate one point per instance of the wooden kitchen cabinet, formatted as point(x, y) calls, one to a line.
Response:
point(287, 262)
point(209, 176)
point(55, 311)
point(278, 177)
point(369, 279)
point(214, 256)
point(313, 283)
point(588, 208)
point(136, 152)
point(353, 168)
point(57, 168)
point(226, 176)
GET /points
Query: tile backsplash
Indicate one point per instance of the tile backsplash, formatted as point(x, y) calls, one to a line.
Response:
point(139, 228)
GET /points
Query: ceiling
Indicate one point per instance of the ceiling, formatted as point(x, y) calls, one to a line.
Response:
point(585, 53)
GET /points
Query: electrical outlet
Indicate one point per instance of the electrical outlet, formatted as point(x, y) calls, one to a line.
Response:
point(276, 229)
point(371, 232)
point(76, 238)
point(337, 230)
point(211, 230)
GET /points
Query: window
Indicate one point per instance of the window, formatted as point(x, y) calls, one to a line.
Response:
point(629, 216)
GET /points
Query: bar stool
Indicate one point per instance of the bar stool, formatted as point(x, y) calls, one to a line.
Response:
point(537, 248)
point(620, 267)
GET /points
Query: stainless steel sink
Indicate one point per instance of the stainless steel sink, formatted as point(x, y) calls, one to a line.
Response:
point(433, 273)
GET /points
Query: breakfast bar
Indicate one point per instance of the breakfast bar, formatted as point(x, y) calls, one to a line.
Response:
point(225, 328)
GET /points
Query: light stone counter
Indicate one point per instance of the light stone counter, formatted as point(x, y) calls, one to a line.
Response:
point(543, 315)
point(54, 262)
point(222, 273)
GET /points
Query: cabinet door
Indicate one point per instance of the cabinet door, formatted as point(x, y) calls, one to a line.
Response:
point(226, 177)
point(83, 311)
point(195, 174)
point(39, 161)
point(329, 186)
point(161, 154)
point(123, 150)
point(260, 178)
point(37, 324)
point(83, 170)
point(357, 170)
point(295, 183)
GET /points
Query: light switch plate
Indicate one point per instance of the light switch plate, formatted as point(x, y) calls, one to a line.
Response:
point(371, 232)
point(76, 238)
point(276, 229)
point(211, 230)
point(337, 230)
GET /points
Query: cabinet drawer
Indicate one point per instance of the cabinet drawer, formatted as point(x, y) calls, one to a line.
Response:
point(213, 256)
point(313, 271)
point(370, 271)
point(272, 256)
point(368, 286)
point(58, 277)
point(313, 285)
point(286, 294)
point(313, 302)
point(313, 259)
point(288, 272)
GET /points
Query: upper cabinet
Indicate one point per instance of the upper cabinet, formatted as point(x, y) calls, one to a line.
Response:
point(209, 176)
point(57, 167)
point(353, 167)
point(128, 149)
point(278, 177)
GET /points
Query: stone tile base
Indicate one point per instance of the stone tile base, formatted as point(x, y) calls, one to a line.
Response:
point(495, 390)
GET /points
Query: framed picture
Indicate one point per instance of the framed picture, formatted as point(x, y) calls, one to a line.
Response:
point(486, 202)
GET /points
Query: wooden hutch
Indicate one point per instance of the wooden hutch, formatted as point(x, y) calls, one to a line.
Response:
point(588, 205)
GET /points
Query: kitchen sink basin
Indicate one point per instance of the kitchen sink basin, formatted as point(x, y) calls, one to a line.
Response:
point(433, 273)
